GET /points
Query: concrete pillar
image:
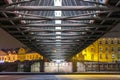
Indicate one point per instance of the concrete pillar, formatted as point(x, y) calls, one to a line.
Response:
point(74, 66)
point(24, 66)
point(42, 66)
point(20, 67)
point(27, 66)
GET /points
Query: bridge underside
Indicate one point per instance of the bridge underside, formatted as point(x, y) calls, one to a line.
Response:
point(58, 31)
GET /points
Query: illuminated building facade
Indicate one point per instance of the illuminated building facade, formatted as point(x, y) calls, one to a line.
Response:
point(102, 50)
point(22, 55)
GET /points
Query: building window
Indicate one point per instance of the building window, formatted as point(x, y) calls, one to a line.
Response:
point(118, 42)
point(112, 42)
point(92, 56)
point(100, 49)
point(30, 56)
point(13, 57)
point(92, 50)
point(106, 49)
point(100, 42)
point(113, 56)
point(100, 56)
point(118, 48)
point(5, 58)
point(8, 58)
point(36, 56)
point(33, 56)
point(85, 50)
point(106, 42)
point(112, 49)
point(118, 53)
point(106, 56)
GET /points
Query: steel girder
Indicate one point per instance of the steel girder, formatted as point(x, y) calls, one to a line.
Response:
point(58, 25)
point(57, 8)
point(61, 18)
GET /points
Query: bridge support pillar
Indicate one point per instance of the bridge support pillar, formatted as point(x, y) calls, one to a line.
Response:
point(74, 66)
point(27, 66)
point(24, 66)
point(42, 66)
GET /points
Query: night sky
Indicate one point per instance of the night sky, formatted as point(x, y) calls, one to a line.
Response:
point(7, 41)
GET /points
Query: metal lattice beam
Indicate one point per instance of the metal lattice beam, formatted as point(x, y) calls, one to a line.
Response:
point(57, 8)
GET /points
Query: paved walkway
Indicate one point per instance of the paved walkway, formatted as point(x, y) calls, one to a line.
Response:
point(40, 77)
point(59, 77)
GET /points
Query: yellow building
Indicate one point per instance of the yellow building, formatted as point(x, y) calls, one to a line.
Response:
point(7, 57)
point(103, 50)
point(2, 56)
point(22, 55)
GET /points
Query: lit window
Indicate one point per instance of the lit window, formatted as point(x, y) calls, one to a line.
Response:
point(118, 42)
point(106, 42)
point(8, 58)
point(112, 49)
point(100, 56)
point(5, 59)
point(106, 49)
point(85, 50)
point(112, 42)
point(36, 56)
point(100, 42)
point(100, 49)
point(92, 50)
point(92, 56)
point(33, 56)
point(30, 56)
point(106, 56)
point(113, 56)
point(118, 48)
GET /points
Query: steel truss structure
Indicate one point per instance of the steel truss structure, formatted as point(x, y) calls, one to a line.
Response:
point(82, 22)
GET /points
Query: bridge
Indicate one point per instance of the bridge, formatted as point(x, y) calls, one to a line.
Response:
point(64, 32)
